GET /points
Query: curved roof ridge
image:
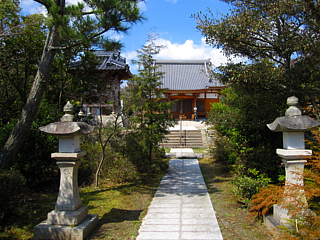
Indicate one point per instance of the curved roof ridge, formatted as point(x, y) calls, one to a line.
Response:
point(162, 61)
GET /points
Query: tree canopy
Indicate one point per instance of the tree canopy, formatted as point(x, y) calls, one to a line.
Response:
point(68, 28)
point(150, 117)
point(283, 31)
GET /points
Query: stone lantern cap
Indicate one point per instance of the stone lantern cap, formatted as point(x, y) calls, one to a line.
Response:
point(67, 127)
point(293, 121)
point(293, 124)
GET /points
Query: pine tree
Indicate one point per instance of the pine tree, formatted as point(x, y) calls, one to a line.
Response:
point(151, 116)
point(69, 26)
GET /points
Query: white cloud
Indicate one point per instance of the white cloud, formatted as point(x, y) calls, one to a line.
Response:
point(191, 51)
point(70, 2)
point(185, 51)
point(129, 57)
point(142, 6)
point(31, 7)
point(111, 34)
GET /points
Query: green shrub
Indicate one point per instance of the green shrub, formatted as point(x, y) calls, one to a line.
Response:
point(34, 160)
point(126, 159)
point(263, 158)
point(239, 121)
point(223, 150)
point(89, 162)
point(12, 187)
point(118, 169)
point(250, 183)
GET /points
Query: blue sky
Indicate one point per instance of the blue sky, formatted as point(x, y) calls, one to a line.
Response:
point(171, 19)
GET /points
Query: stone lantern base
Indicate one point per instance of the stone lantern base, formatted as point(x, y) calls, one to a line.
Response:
point(281, 215)
point(69, 219)
point(60, 232)
point(294, 177)
point(293, 127)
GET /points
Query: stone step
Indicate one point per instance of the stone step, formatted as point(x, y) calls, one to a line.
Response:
point(183, 133)
point(185, 130)
point(189, 138)
point(169, 145)
point(188, 135)
point(182, 144)
point(183, 137)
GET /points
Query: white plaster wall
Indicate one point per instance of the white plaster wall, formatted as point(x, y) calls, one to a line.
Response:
point(212, 95)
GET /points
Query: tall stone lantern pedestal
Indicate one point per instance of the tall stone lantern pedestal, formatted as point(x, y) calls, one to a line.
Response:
point(69, 219)
point(293, 125)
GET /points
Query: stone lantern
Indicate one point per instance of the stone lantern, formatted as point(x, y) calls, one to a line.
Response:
point(293, 126)
point(69, 220)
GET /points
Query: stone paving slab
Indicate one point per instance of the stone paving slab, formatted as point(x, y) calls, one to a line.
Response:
point(181, 208)
point(183, 153)
point(181, 150)
point(189, 125)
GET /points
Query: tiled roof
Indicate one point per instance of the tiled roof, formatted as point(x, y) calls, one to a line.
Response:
point(186, 74)
point(110, 60)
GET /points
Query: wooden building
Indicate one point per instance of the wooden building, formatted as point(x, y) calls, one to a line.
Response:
point(189, 84)
point(112, 70)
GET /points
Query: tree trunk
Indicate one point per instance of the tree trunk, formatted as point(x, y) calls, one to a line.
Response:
point(96, 181)
point(19, 133)
point(315, 106)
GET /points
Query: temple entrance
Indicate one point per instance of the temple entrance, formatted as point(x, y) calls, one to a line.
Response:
point(184, 108)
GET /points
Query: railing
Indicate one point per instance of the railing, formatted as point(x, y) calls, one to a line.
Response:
point(185, 134)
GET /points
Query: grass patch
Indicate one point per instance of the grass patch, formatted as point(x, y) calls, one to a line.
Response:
point(121, 208)
point(167, 150)
point(232, 216)
point(29, 211)
point(199, 150)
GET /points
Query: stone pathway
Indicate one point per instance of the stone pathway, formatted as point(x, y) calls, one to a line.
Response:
point(181, 208)
point(189, 125)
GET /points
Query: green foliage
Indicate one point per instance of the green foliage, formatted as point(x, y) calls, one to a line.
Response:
point(124, 159)
point(116, 168)
point(249, 184)
point(150, 118)
point(223, 150)
point(12, 186)
point(9, 17)
point(22, 39)
point(34, 160)
point(88, 162)
point(19, 58)
point(305, 218)
point(71, 29)
point(240, 119)
point(135, 151)
point(286, 32)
